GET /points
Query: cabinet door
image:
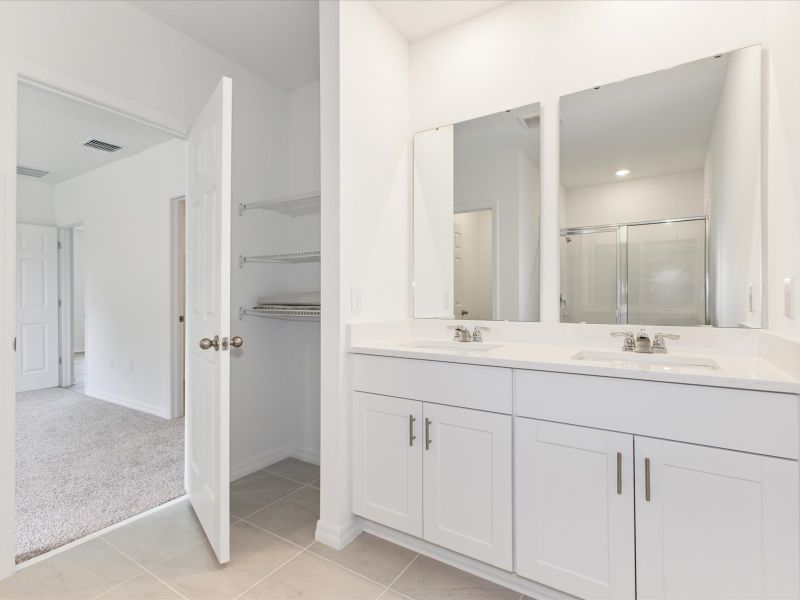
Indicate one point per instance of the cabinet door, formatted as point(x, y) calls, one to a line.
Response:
point(575, 522)
point(387, 461)
point(467, 466)
point(714, 523)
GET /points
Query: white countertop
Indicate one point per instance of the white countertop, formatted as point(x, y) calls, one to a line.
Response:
point(741, 372)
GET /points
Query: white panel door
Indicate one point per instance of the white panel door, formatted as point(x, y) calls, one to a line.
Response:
point(208, 284)
point(467, 462)
point(387, 461)
point(715, 523)
point(37, 307)
point(575, 521)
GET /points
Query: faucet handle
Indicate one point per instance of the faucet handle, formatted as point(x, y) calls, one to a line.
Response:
point(629, 344)
point(659, 346)
point(476, 333)
point(669, 336)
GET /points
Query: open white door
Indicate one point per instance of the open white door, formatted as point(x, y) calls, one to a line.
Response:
point(37, 307)
point(208, 289)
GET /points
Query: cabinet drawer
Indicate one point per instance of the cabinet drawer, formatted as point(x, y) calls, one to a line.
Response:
point(468, 386)
point(759, 422)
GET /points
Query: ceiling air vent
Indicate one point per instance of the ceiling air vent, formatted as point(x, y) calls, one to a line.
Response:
point(104, 146)
point(530, 121)
point(31, 172)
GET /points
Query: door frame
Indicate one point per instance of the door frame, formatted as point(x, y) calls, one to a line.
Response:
point(66, 296)
point(494, 207)
point(14, 70)
point(177, 329)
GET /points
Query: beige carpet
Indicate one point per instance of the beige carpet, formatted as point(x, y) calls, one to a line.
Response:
point(84, 464)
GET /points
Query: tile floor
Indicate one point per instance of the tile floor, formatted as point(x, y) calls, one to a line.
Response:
point(273, 555)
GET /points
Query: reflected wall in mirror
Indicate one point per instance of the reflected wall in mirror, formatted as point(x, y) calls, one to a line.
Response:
point(661, 211)
point(476, 218)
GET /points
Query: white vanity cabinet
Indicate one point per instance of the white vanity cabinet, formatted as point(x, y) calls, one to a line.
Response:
point(439, 471)
point(714, 523)
point(575, 499)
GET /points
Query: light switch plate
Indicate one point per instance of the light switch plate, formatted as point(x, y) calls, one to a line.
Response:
point(788, 297)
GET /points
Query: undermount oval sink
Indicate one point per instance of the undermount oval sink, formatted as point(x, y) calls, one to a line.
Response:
point(454, 346)
point(650, 362)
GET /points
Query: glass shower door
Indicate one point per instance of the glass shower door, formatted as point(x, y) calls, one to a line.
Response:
point(589, 276)
point(667, 273)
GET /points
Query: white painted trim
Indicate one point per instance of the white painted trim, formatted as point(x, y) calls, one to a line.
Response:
point(66, 376)
point(338, 536)
point(127, 403)
point(96, 534)
point(309, 456)
point(469, 565)
point(177, 358)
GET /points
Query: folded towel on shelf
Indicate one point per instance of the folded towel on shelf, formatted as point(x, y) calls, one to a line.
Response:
point(295, 299)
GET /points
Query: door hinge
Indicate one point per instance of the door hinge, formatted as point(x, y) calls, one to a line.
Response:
point(58, 245)
point(59, 303)
point(180, 319)
point(14, 345)
point(60, 360)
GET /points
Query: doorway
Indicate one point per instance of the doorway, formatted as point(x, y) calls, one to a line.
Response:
point(473, 252)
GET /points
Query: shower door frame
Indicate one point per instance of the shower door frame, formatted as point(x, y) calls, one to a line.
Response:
point(622, 257)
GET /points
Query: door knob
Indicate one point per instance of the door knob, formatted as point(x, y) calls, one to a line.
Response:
point(237, 341)
point(206, 343)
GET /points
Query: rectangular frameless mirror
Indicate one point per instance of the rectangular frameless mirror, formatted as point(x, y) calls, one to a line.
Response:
point(661, 197)
point(476, 218)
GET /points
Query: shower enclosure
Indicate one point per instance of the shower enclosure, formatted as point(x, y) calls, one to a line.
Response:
point(653, 273)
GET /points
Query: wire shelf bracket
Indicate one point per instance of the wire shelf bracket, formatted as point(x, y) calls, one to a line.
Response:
point(293, 205)
point(306, 256)
point(284, 313)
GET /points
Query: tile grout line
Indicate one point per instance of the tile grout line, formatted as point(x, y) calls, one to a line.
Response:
point(146, 570)
point(399, 575)
point(268, 575)
point(341, 566)
point(302, 486)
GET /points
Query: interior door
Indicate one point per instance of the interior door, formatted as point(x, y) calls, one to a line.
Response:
point(37, 307)
point(575, 522)
point(467, 500)
point(472, 269)
point(714, 523)
point(387, 461)
point(208, 238)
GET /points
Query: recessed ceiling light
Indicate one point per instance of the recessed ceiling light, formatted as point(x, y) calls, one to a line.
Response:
point(622, 172)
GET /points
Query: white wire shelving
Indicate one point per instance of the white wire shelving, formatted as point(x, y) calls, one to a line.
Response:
point(287, 313)
point(293, 205)
point(287, 258)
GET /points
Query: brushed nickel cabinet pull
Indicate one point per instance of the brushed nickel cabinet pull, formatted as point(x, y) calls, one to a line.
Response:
point(619, 473)
point(647, 479)
point(427, 433)
point(411, 436)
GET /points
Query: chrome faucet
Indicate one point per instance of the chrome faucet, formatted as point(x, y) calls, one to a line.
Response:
point(642, 343)
point(477, 336)
point(460, 333)
point(629, 344)
point(659, 345)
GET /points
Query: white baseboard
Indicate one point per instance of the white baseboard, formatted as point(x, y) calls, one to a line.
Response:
point(163, 412)
point(459, 561)
point(261, 461)
point(338, 536)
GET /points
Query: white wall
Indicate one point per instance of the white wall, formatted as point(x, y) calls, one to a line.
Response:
point(79, 289)
point(433, 174)
point(364, 75)
point(733, 188)
point(524, 52)
point(126, 210)
point(631, 200)
point(34, 202)
point(783, 207)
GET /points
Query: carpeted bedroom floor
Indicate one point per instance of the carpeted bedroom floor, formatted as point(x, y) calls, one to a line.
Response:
point(84, 464)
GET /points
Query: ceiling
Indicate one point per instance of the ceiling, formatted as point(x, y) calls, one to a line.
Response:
point(52, 129)
point(655, 124)
point(415, 19)
point(277, 40)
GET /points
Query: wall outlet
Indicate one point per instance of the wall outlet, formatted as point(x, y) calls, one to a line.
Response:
point(788, 297)
point(356, 300)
